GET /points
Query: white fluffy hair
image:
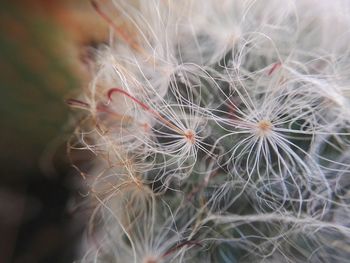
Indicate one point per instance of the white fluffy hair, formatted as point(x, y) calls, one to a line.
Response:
point(221, 132)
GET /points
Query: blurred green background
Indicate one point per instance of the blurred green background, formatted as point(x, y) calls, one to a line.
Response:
point(34, 80)
point(41, 44)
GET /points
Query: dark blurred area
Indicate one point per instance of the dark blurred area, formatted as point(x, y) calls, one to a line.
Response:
point(41, 44)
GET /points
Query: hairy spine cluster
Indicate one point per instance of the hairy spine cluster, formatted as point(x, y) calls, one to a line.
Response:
point(221, 132)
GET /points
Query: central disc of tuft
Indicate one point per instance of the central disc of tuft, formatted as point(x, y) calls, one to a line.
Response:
point(150, 260)
point(264, 127)
point(190, 136)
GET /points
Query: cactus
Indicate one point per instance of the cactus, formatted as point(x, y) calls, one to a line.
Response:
point(220, 131)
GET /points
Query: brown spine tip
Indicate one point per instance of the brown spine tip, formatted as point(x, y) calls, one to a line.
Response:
point(77, 103)
point(274, 67)
point(94, 4)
